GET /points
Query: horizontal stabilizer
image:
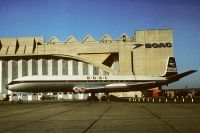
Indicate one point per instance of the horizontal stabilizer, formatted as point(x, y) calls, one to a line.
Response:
point(181, 75)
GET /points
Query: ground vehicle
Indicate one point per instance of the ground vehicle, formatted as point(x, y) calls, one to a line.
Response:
point(4, 97)
point(47, 97)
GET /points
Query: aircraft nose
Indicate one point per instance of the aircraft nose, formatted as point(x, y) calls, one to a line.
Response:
point(8, 87)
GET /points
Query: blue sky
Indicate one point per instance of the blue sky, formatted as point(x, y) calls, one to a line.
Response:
point(61, 18)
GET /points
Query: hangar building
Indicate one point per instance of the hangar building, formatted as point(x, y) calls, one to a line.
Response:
point(145, 53)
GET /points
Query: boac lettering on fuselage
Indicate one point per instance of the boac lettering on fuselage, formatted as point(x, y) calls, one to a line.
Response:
point(96, 78)
point(158, 45)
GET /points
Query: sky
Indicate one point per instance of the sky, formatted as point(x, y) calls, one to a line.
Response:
point(61, 18)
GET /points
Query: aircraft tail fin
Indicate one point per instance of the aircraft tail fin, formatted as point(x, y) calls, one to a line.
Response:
point(171, 68)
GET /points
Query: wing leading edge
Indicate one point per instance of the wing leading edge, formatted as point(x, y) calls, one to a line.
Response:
point(123, 87)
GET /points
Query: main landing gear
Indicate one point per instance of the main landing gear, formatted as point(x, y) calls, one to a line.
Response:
point(108, 98)
point(92, 97)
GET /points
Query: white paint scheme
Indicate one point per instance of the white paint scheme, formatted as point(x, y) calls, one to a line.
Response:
point(85, 77)
point(116, 84)
point(90, 83)
point(94, 83)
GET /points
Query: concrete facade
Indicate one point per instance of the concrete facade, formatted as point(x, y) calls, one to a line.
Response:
point(145, 53)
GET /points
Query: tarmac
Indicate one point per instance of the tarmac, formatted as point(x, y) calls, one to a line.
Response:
point(99, 117)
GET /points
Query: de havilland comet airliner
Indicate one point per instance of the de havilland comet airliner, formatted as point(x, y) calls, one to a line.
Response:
point(95, 83)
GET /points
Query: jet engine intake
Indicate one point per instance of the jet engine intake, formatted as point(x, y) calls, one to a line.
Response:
point(79, 89)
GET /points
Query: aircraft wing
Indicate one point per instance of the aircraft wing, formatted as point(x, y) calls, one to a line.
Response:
point(122, 87)
point(144, 85)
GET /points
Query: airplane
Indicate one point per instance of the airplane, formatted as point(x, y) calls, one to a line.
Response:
point(97, 83)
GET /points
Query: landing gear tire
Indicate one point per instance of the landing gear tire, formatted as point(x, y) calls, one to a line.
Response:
point(92, 97)
point(20, 101)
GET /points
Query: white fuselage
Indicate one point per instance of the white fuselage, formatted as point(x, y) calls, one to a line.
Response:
point(68, 83)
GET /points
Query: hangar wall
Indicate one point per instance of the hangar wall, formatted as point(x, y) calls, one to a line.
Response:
point(152, 60)
point(145, 53)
